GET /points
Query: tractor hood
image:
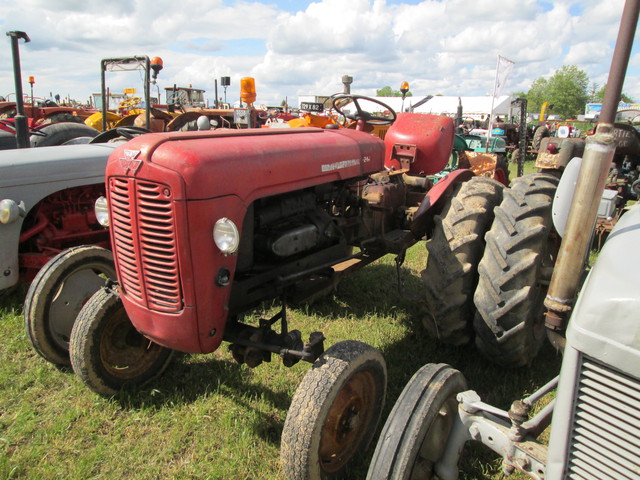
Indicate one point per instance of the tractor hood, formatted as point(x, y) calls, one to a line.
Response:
point(28, 175)
point(248, 163)
point(604, 324)
point(62, 163)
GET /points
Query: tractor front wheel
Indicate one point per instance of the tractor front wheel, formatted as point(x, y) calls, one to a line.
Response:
point(334, 412)
point(58, 292)
point(415, 435)
point(107, 352)
point(451, 274)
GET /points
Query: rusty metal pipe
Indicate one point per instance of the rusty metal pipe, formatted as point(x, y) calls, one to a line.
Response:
point(596, 162)
point(568, 270)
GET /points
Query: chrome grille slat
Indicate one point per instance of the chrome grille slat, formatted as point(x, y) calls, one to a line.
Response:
point(605, 430)
point(145, 247)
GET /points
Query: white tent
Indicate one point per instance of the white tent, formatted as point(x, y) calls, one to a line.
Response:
point(473, 107)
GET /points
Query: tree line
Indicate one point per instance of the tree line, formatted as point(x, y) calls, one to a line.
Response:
point(568, 90)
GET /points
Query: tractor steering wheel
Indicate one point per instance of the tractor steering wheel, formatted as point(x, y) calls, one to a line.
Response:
point(130, 102)
point(8, 124)
point(31, 130)
point(269, 113)
point(342, 100)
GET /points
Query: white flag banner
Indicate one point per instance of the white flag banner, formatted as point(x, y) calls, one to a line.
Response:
point(502, 73)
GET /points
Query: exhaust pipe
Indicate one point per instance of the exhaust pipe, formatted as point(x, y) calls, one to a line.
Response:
point(22, 129)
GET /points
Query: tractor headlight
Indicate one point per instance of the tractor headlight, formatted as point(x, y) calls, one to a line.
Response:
point(101, 210)
point(9, 211)
point(226, 236)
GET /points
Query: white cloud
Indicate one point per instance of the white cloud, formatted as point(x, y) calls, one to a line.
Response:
point(446, 47)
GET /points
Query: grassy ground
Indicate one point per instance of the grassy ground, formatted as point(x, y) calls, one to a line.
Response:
point(209, 418)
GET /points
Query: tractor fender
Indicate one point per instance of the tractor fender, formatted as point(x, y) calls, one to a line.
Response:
point(434, 199)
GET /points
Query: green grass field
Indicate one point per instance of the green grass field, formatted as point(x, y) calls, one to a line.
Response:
point(209, 418)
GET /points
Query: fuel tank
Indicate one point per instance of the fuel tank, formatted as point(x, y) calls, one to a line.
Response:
point(420, 143)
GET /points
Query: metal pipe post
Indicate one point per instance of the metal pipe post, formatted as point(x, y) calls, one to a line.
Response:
point(103, 91)
point(147, 93)
point(22, 129)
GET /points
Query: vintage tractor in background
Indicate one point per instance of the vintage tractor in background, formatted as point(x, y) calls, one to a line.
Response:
point(47, 194)
point(47, 198)
point(206, 225)
point(39, 126)
point(623, 181)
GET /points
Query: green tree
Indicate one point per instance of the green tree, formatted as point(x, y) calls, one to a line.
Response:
point(390, 92)
point(593, 92)
point(566, 90)
point(537, 94)
point(599, 95)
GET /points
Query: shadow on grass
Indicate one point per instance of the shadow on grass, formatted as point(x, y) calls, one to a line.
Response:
point(190, 378)
point(12, 299)
point(375, 290)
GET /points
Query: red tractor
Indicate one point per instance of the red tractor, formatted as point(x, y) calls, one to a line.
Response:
point(206, 225)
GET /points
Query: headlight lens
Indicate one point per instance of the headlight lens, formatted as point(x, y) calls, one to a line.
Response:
point(9, 211)
point(101, 210)
point(226, 236)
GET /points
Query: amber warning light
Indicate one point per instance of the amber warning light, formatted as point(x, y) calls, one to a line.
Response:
point(248, 90)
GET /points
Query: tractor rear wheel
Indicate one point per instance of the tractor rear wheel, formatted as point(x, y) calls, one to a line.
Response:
point(415, 435)
point(64, 117)
point(57, 294)
point(515, 272)
point(451, 274)
point(541, 132)
point(334, 412)
point(107, 352)
point(59, 133)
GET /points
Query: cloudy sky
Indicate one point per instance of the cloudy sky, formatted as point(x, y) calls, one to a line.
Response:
point(299, 47)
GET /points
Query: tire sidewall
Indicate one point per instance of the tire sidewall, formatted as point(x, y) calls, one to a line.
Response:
point(339, 363)
point(410, 419)
point(45, 286)
point(59, 133)
point(86, 336)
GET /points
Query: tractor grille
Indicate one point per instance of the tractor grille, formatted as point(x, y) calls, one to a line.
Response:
point(605, 435)
point(142, 219)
